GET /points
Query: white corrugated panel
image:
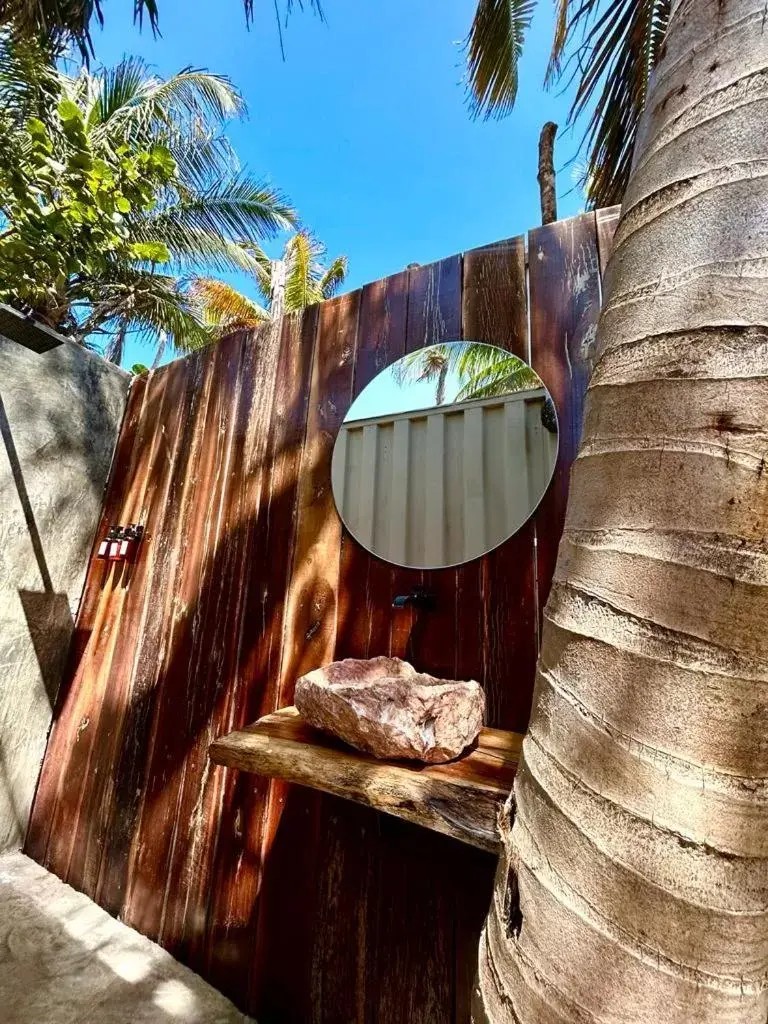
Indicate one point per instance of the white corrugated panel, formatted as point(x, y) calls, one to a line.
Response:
point(441, 486)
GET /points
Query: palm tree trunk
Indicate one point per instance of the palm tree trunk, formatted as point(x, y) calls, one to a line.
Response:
point(277, 289)
point(634, 883)
point(162, 342)
point(546, 176)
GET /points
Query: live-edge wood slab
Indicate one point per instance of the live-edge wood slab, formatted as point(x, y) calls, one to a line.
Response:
point(461, 799)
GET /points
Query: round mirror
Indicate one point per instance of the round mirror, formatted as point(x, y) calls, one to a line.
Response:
point(445, 455)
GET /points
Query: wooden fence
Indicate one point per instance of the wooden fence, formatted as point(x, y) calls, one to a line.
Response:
point(302, 907)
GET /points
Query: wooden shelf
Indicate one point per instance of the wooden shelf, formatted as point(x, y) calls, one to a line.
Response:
point(461, 799)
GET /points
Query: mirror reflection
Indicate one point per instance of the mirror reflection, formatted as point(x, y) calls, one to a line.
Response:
point(445, 455)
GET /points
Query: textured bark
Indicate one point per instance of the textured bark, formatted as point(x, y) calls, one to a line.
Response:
point(634, 883)
point(546, 175)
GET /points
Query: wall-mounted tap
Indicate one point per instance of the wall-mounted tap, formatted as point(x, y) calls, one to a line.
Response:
point(419, 597)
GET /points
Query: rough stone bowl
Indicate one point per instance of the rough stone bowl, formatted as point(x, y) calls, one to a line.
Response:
point(384, 707)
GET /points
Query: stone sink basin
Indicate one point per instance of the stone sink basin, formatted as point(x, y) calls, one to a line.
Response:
point(386, 708)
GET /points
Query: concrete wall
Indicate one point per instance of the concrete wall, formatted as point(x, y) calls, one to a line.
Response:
point(60, 413)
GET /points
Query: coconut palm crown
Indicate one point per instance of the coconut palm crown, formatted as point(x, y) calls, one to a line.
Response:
point(609, 46)
point(202, 212)
point(295, 280)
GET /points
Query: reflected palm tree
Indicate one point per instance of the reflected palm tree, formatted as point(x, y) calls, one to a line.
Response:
point(483, 371)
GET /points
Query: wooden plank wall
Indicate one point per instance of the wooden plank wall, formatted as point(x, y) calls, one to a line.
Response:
point(301, 907)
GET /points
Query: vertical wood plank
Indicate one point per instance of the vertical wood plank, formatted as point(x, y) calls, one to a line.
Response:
point(157, 835)
point(155, 587)
point(565, 304)
point(95, 594)
point(188, 880)
point(82, 765)
point(494, 299)
point(434, 316)
point(497, 639)
point(95, 827)
point(366, 589)
point(409, 882)
point(309, 641)
point(275, 431)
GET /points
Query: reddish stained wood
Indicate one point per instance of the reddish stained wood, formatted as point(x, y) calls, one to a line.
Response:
point(409, 906)
point(81, 765)
point(93, 599)
point(172, 730)
point(269, 502)
point(155, 587)
point(500, 647)
point(310, 632)
point(565, 304)
point(434, 316)
point(311, 605)
point(189, 870)
point(494, 296)
point(413, 925)
point(95, 824)
point(366, 582)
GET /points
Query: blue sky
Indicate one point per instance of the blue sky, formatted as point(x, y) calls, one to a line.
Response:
point(365, 125)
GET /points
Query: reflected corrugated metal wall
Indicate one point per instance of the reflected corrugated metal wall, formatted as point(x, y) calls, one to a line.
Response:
point(440, 486)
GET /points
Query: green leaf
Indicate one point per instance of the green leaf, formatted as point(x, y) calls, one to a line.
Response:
point(150, 252)
point(69, 111)
point(123, 204)
point(162, 159)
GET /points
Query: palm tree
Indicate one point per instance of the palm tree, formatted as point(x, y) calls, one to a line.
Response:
point(66, 21)
point(210, 214)
point(633, 886)
point(299, 278)
point(612, 47)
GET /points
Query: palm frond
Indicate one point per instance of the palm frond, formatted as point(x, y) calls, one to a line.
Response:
point(222, 308)
point(301, 260)
point(116, 88)
point(261, 269)
point(29, 80)
point(493, 48)
point(615, 45)
point(202, 159)
point(315, 5)
point(64, 21)
point(241, 207)
point(194, 100)
point(58, 21)
point(334, 277)
point(115, 347)
point(147, 305)
point(192, 247)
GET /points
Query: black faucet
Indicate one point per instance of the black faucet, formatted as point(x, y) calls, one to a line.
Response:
point(419, 597)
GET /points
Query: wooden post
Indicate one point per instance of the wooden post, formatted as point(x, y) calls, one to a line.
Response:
point(546, 175)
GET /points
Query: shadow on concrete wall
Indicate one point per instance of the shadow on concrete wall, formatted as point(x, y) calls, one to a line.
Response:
point(48, 615)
